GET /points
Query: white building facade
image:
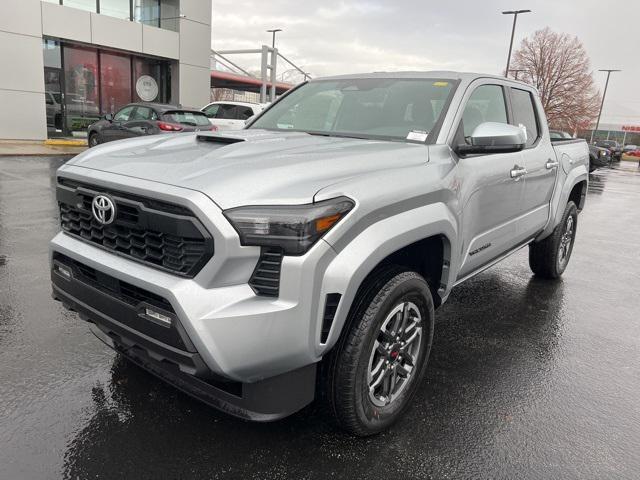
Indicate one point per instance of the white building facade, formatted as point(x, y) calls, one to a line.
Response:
point(65, 63)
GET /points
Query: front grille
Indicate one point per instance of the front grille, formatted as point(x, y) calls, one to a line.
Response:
point(166, 236)
point(266, 276)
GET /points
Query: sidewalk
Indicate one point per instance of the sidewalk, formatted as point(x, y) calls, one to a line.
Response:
point(47, 147)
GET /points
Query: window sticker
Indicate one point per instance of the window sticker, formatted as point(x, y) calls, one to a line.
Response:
point(417, 135)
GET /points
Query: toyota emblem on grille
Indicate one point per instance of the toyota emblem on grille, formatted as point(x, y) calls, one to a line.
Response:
point(103, 208)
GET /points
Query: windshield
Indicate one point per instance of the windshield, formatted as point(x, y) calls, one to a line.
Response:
point(194, 119)
point(394, 109)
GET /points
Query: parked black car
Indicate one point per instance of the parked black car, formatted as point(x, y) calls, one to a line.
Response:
point(598, 157)
point(615, 149)
point(137, 119)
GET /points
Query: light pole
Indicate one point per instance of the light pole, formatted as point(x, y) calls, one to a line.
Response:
point(273, 38)
point(515, 14)
point(604, 94)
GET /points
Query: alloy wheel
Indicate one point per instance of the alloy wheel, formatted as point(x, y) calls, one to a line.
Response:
point(395, 353)
point(566, 242)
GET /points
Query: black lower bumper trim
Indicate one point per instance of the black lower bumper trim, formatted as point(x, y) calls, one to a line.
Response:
point(266, 400)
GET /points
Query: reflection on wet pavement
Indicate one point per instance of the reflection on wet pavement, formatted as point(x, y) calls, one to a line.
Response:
point(528, 379)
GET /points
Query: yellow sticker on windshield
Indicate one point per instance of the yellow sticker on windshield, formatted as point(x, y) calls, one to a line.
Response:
point(440, 84)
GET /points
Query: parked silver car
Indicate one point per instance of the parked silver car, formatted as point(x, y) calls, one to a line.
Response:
point(310, 249)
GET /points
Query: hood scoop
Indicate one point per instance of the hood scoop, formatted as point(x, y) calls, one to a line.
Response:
point(217, 138)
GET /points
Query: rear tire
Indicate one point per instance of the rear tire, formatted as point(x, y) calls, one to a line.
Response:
point(374, 370)
point(549, 258)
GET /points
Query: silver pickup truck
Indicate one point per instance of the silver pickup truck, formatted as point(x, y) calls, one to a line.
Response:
point(303, 256)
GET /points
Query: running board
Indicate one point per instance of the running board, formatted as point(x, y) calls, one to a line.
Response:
point(493, 262)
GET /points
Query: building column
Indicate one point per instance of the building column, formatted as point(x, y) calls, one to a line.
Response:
point(23, 114)
point(194, 67)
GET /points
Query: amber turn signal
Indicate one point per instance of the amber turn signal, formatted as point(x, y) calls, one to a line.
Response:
point(325, 223)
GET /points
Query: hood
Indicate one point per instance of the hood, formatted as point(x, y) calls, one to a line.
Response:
point(250, 167)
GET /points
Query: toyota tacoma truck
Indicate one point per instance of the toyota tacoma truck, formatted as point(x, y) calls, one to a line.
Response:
point(303, 256)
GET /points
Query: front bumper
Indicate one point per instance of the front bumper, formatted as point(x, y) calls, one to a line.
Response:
point(227, 331)
point(116, 310)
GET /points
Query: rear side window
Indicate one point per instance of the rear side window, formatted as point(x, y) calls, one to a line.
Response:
point(486, 104)
point(244, 113)
point(193, 119)
point(524, 113)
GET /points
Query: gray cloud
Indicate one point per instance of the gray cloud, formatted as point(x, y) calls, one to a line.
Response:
point(332, 37)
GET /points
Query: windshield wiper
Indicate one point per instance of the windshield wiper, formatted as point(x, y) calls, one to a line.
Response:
point(338, 135)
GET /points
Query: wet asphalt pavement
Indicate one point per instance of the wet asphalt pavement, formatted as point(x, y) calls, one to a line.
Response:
point(527, 379)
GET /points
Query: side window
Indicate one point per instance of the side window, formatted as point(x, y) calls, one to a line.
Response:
point(227, 112)
point(212, 110)
point(486, 104)
point(524, 113)
point(124, 114)
point(244, 113)
point(143, 113)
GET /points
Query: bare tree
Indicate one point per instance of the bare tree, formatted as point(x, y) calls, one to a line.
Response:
point(558, 66)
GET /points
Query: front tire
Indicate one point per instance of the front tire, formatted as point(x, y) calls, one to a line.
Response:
point(376, 368)
point(549, 257)
point(94, 140)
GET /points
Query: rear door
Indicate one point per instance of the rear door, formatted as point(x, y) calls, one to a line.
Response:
point(539, 160)
point(490, 198)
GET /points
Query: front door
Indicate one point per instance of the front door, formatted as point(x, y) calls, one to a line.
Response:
point(116, 130)
point(490, 196)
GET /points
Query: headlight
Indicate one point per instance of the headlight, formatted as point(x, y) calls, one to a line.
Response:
point(602, 153)
point(294, 228)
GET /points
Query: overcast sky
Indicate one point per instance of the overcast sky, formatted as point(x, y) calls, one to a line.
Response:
point(332, 37)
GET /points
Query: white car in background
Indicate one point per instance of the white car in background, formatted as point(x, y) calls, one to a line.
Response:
point(228, 115)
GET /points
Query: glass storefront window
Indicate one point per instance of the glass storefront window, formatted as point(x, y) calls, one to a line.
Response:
point(95, 82)
point(158, 71)
point(89, 5)
point(116, 8)
point(53, 86)
point(81, 87)
point(115, 82)
point(52, 53)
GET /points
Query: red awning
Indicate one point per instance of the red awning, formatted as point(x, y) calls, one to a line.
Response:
point(241, 82)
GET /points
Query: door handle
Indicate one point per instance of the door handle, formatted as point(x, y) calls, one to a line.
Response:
point(517, 172)
point(551, 164)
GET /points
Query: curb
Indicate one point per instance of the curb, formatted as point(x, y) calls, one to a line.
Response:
point(66, 143)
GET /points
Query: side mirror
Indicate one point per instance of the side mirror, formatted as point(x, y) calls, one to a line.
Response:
point(250, 119)
point(109, 117)
point(494, 137)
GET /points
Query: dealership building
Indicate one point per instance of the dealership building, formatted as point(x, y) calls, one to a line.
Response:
point(67, 62)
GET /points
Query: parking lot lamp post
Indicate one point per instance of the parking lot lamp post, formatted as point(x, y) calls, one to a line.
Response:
point(515, 14)
point(604, 94)
point(273, 38)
